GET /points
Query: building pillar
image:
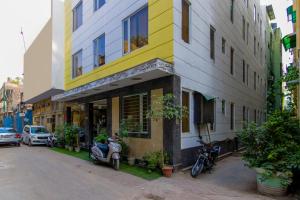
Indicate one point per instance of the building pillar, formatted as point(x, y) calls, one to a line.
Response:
point(172, 132)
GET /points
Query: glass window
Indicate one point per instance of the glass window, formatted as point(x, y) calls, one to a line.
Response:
point(186, 120)
point(231, 116)
point(135, 113)
point(254, 80)
point(231, 60)
point(254, 13)
point(244, 71)
point(244, 28)
point(244, 117)
point(77, 64)
point(254, 45)
point(231, 10)
point(223, 45)
point(223, 106)
point(135, 29)
point(247, 74)
point(99, 51)
point(212, 42)
point(186, 21)
point(98, 4)
point(77, 16)
point(247, 32)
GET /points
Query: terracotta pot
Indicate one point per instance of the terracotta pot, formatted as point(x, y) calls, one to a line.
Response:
point(167, 171)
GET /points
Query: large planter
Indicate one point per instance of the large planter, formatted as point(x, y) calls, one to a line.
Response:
point(270, 185)
point(167, 171)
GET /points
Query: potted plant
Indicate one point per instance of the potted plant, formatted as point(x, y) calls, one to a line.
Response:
point(272, 150)
point(165, 107)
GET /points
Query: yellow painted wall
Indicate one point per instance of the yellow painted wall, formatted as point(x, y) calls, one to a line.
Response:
point(160, 45)
point(139, 147)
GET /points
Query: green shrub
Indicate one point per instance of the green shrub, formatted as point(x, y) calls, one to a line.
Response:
point(274, 146)
point(101, 138)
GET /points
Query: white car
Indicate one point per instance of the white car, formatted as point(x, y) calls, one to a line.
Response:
point(35, 135)
point(9, 136)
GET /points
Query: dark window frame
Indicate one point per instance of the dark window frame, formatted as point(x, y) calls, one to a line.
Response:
point(98, 5)
point(75, 12)
point(185, 21)
point(212, 42)
point(96, 50)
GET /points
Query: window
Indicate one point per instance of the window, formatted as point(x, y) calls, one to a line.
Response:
point(247, 74)
point(223, 45)
point(98, 4)
point(231, 116)
point(209, 112)
point(212, 42)
point(186, 21)
point(231, 60)
point(77, 16)
point(231, 10)
point(260, 27)
point(223, 107)
point(244, 28)
point(99, 51)
point(254, 45)
point(135, 31)
point(255, 116)
point(77, 64)
point(134, 112)
point(244, 116)
point(186, 120)
point(254, 13)
point(254, 80)
point(247, 32)
point(244, 71)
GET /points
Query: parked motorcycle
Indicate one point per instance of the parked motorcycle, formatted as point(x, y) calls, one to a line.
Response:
point(206, 159)
point(107, 153)
point(51, 141)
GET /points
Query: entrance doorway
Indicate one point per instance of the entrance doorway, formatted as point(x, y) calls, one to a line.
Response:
point(100, 117)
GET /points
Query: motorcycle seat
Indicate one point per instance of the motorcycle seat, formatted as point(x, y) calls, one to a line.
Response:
point(103, 148)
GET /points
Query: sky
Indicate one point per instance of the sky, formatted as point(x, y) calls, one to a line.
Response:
point(31, 15)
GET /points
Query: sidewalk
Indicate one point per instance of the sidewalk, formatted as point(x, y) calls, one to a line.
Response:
point(230, 180)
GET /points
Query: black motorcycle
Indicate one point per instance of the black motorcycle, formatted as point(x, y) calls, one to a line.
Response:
point(206, 159)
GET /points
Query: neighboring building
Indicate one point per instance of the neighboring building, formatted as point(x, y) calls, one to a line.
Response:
point(120, 56)
point(291, 42)
point(44, 70)
point(10, 97)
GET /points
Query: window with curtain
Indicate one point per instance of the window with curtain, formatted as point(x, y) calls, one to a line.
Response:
point(185, 21)
point(99, 51)
point(135, 31)
point(77, 64)
point(186, 119)
point(77, 16)
point(135, 113)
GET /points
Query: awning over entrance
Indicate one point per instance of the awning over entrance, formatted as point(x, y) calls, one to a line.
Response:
point(289, 41)
point(147, 71)
point(43, 96)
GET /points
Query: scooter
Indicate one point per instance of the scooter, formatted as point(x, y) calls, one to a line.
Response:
point(107, 153)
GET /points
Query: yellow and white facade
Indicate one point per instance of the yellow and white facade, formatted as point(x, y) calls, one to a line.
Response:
point(104, 73)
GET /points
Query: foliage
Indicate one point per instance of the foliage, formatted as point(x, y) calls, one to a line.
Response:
point(59, 134)
point(140, 172)
point(101, 138)
point(123, 132)
point(84, 155)
point(291, 75)
point(156, 160)
point(71, 135)
point(274, 146)
point(165, 107)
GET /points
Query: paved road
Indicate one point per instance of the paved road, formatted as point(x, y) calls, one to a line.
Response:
point(37, 173)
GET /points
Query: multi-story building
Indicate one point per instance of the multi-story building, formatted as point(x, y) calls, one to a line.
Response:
point(44, 70)
point(120, 56)
point(291, 42)
point(10, 98)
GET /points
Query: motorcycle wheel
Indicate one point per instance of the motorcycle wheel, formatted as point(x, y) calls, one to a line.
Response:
point(116, 164)
point(197, 168)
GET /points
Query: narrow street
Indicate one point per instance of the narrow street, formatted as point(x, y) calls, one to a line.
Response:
point(38, 173)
